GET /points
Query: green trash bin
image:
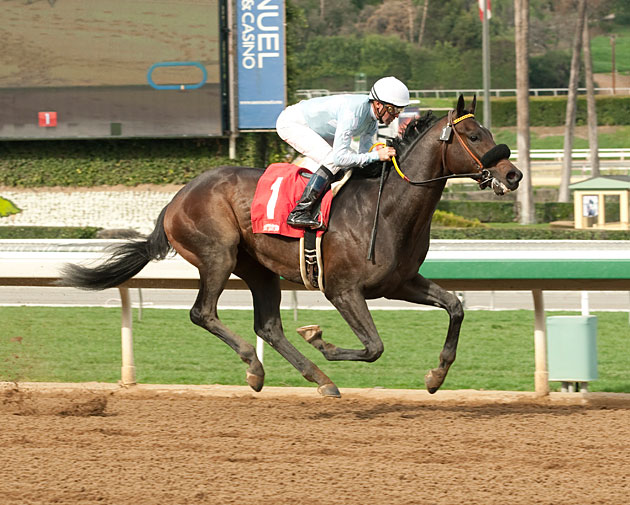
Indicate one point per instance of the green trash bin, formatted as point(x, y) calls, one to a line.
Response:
point(572, 350)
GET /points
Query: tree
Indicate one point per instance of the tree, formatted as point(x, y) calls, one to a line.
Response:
point(296, 26)
point(550, 70)
point(392, 17)
point(423, 23)
point(521, 41)
point(455, 22)
point(593, 142)
point(569, 122)
point(380, 56)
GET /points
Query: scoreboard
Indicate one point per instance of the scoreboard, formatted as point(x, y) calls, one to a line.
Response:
point(140, 68)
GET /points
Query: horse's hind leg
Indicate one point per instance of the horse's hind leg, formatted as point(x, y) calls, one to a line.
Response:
point(204, 314)
point(353, 308)
point(265, 287)
point(427, 292)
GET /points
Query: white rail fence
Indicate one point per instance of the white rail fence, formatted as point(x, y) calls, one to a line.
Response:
point(621, 154)
point(447, 93)
point(37, 263)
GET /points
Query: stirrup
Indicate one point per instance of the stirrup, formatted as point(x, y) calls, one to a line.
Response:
point(313, 224)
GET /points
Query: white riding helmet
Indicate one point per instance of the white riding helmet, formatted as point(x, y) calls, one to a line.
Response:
point(390, 90)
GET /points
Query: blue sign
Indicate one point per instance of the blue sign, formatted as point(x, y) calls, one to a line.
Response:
point(261, 63)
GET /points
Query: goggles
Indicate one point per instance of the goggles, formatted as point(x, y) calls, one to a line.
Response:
point(393, 110)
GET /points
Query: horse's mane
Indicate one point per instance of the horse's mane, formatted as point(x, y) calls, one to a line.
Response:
point(416, 129)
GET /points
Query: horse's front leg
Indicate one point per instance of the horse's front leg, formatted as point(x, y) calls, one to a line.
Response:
point(426, 292)
point(353, 308)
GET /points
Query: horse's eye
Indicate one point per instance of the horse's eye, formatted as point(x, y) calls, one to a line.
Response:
point(473, 138)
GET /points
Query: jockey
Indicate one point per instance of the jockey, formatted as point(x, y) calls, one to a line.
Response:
point(322, 129)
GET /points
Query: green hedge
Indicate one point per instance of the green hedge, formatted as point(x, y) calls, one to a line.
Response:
point(551, 111)
point(507, 212)
point(448, 219)
point(547, 212)
point(486, 212)
point(28, 232)
point(521, 233)
point(128, 161)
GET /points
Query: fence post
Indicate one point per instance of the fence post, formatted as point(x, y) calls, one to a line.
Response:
point(541, 376)
point(128, 371)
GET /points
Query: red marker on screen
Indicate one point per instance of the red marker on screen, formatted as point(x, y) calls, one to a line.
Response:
point(47, 119)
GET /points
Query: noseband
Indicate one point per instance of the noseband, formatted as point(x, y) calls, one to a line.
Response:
point(483, 177)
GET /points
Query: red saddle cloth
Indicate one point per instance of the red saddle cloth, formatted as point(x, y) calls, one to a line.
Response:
point(278, 190)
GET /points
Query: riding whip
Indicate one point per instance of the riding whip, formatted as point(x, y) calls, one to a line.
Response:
point(378, 206)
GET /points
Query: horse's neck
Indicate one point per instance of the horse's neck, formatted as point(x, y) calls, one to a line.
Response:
point(414, 205)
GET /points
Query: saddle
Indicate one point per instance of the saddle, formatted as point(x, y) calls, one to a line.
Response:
point(277, 192)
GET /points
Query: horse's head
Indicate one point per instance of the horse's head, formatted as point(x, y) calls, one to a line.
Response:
point(468, 147)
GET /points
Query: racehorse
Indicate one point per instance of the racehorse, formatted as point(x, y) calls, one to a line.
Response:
point(208, 223)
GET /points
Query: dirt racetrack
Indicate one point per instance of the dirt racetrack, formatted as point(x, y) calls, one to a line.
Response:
point(99, 444)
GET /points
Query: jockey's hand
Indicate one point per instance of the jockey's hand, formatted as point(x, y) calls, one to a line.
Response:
point(385, 153)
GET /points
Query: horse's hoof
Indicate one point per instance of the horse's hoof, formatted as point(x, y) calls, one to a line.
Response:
point(329, 390)
point(433, 380)
point(310, 332)
point(255, 381)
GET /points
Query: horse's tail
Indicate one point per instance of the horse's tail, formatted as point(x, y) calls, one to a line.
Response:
point(124, 262)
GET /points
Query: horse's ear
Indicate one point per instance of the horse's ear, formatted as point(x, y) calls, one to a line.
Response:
point(474, 104)
point(460, 106)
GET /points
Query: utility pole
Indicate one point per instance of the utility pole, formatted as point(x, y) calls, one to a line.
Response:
point(525, 194)
point(487, 117)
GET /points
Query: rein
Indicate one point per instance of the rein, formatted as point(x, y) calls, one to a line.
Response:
point(483, 177)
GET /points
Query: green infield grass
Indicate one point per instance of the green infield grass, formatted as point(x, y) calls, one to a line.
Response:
point(496, 349)
point(614, 138)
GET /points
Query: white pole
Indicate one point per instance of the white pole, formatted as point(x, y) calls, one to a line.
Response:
point(585, 305)
point(139, 304)
point(294, 302)
point(541, 376)
point(128, 371)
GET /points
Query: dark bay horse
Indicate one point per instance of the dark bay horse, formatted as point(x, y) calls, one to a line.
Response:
point(208, 223)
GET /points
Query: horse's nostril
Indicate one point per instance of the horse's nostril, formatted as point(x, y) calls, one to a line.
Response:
point(514, 176)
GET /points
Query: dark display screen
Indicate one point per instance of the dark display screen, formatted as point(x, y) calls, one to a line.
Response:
point(110, 68)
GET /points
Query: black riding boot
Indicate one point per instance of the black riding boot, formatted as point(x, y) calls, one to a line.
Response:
point(302, 216)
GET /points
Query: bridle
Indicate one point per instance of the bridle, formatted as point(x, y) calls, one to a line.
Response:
point(450, 125)
point(483, 176)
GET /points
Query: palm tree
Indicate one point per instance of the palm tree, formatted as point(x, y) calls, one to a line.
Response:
point(425, 8)
point(593, 142)
point(569, 122)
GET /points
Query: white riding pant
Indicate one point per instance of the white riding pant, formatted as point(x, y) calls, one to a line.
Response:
point(293, 129)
